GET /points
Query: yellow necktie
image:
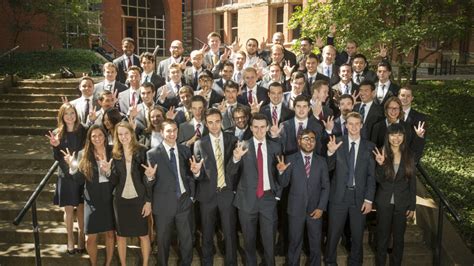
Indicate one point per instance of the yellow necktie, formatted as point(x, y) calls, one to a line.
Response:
point(220, 165)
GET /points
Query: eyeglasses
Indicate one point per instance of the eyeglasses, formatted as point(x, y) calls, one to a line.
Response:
point(308, 139)
point(239, 118)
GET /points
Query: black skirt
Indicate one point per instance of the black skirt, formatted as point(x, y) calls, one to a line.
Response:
point(98, 208)
point(129, 221)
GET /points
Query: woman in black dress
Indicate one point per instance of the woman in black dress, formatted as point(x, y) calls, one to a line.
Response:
point(92, 168)
point(132, 195)
point(69, 136)
point(395, 197)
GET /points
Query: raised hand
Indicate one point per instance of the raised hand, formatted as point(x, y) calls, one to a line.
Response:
point(281, 165)
point(329, 124)
point(150, 170)
point(288, 68)
point(53, 139)
point(64, 99)
point(239, 151)
point(420, 129)
point(205, 48)
point(225, 56)
point(355, 95)
point(275, 130)
point(383, 51)
point(92, 115)
point(379, 156)
point(222, 106)
point(184, 63)
point(254, 106)
point(115, 97)
point(317, 108)
point(164, 93)
point(195, 165)
point(171, 114)
point(133, 112)
point(104, 165)
point(68, 157)
point(319, 42)
point(332, 145)
point(263, 44)
point(236, 44)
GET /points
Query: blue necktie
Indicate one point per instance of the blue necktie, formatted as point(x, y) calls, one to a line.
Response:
point(362, 111)
point(350, 181)
point(174, 167)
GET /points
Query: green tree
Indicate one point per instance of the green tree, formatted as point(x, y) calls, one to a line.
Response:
point(401, 25)
point(58, 15)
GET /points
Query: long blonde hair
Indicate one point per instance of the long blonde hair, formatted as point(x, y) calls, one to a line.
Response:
point(62, 127)
point(88, 159)
point(118, 151)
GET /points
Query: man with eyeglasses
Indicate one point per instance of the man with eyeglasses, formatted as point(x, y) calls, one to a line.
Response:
point(241, 127)
point(206, 82)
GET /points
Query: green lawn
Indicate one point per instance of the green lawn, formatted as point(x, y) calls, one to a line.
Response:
point(36, 64)
point(449, 152)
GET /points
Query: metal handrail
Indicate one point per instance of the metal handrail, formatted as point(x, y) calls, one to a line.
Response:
point(443, 203)
point(9, 51)
point(31, 203)
point(102, 38)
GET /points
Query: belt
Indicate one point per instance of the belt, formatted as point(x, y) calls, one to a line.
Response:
point(350, 188)
point(268, 192)
point(221, 189)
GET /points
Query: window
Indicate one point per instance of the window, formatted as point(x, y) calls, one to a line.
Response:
point(279, 19)
point(297, 31)
point(234, 25)
point(220, 24)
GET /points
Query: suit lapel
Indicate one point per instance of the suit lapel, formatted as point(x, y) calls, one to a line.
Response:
point(163, 157)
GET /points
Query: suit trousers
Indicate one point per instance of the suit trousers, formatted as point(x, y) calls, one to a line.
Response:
point(266, 216)
point(165, 226)
point(222, 205)
point(338, 212)
point(296, 230)
point(390, 221)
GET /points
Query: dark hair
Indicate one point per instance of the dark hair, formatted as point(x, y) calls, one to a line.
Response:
point(406, 156)
point(345, 64)
point(274, 84)
point(258, 117)
point(199, 98)
point(301, 98)
point(385, 64)
point(318, 84)
point(354, 42)
point(312, 55)
point(297, 75)
point(148, 56)
point(226, 63)
point(307, 39)
point(367, 82)
point(128, 39)
point(114, 117)
point(393, 99)
point(346, 96)
point(168, 121)
point(306, 131)
point(360, 56)
point(88, 159)
point(251, 39)
point(147, 84)
point(231, 84)
point(212, 111)
point(103, 94)
point(240, 109)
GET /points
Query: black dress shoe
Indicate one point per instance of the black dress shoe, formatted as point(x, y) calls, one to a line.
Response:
point(70, 252)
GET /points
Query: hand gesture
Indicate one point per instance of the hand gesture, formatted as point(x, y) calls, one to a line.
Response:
point(164, 93)
point(420, 129)
point(236, 44)
point(263, 44)
point(288, 68)
point(53, 139)
point(332, 145)
point(222, 106)
point(239, 151)
point(383, 51)
point(281, 166)
point(133, 112)
point(319, 42)
point(115, 97)
point(316, 214)
point(355, 95)
point(92, 115)
point(184, 63)
point(150, 170)
point(275, 130)
point(379, 156)
point(205, 48)
point(225, 56)
point(191, 141)
point(410, 214)
point(104, 165)
point(146, 209)
point(195, 165)
point(64, 99)
point(366, 207)
point(329, 124)
point(171, 114)
point(332, 30)
point(68, 157)
point(254, 106)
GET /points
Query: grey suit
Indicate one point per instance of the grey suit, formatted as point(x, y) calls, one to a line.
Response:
point(124, 100)
point(344, 200)
point(187, 131)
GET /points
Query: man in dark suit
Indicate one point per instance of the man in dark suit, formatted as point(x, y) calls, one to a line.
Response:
point(278, 39)
point(194, 129)
point(258, 189)
point(287, 133)
point(345, 85)
point(140, 114)
point(352, 189)
point(370, 111)
point(168, 93)
point(276, 111)
point(360, 70)
point(320, 102)
point(215, 188)
point(109, 83)
point(251, 92)
point(176, 50)
point(147, 61)
point(346, 104)
point(127, 60)
point(306, 48)
point(225, 74)
point(241, 129)
point(206, 81)
point(308, 175)
point(328, 66)
point(346, 56)
point(173, 192)
point(297, 88)
point(385, 88)
point(312, 74)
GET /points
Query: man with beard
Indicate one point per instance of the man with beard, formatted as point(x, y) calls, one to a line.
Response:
point(176, 50)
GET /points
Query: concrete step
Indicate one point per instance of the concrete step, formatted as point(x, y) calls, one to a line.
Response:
point(24, 104)
point(55, 83)
point(33, 97)
point(24, 130)
point(28, 121)
point(46, 211)
point(24, 176)
point(31, 162)
point(22, 192)
point(74, 92)
point(29, 112)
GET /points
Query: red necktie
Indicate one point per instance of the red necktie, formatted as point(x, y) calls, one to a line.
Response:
point(129, 61)
point(307, 165)
point(198, 131)
point(275, 115)
point(321, 115)
point(250, 97)
point(132, 103)
point(260, 171)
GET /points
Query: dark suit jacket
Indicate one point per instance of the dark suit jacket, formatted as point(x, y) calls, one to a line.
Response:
point(337, 130)
point(334, 78)
point(392, 91)
point(100, 87)
point(374, 115)
point(364, 172)
point(288, 136)
point(207, 181)
point(119, 173)
point(403, 190)
point(186, 131)
point(285, 113)
point(246, 196)
point(306, 193)
point(307, 88)
point(213, 99)
point(367, 74)
point(246, 136)
point(171, 100)
point(157, 80)
point(122, 67)
point(262, 95)
point(164, 184)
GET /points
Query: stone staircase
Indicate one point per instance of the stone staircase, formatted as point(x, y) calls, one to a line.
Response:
point(27, 112)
